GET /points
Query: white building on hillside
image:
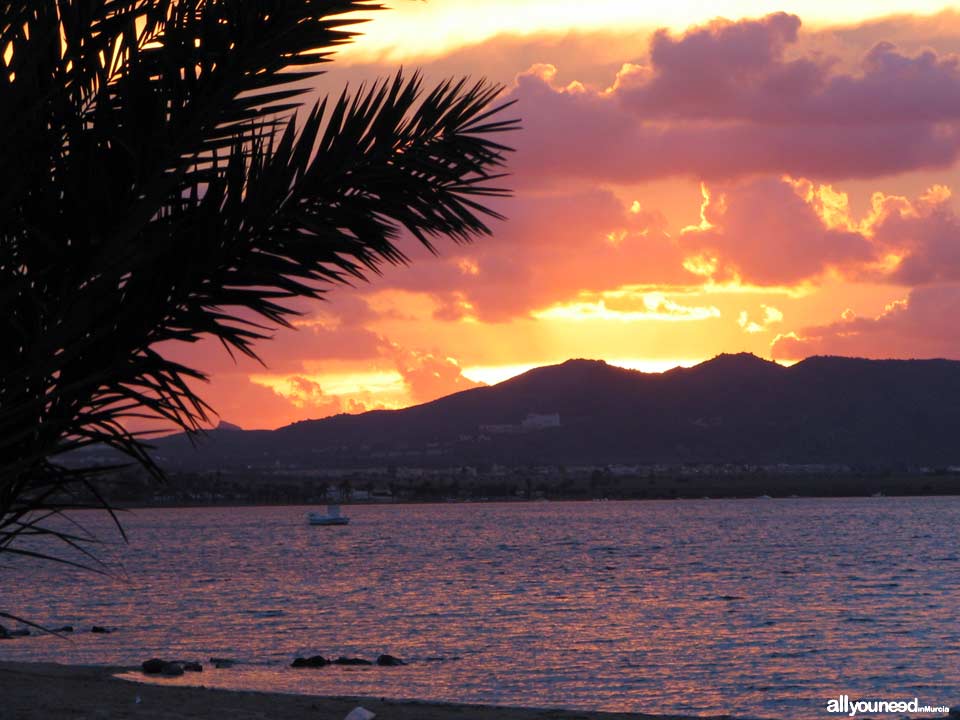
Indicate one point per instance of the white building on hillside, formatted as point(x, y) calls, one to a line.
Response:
point(536, 421)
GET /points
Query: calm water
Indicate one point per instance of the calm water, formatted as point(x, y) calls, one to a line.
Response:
point(756, 608)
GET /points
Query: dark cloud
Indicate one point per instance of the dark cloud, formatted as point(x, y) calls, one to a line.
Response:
point(765, 233)
point(927, 233)
point(740, 71)
point(725, 100)
point(922, 325)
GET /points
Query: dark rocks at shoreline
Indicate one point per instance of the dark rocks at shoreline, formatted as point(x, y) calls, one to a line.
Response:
point(222, 663)
point(351, 661)
point(64, 629)
point(153, 666)
point(320, 661)
point(156, 666)
point(172, 669)
point(100, 630)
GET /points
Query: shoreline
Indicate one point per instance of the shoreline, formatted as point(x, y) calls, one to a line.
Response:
point(50, 691)
point(507, 501)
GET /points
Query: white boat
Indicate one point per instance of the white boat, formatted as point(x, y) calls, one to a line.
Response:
point(332, 517)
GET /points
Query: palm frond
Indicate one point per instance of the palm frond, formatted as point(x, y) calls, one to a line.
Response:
point(164, 188)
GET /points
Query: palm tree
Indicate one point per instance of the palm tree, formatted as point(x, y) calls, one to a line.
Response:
point(160, 185)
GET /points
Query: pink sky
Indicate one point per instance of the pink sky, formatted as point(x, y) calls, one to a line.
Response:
point(771, 183)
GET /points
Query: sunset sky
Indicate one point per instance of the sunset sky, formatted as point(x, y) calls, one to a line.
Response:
point(776, 178)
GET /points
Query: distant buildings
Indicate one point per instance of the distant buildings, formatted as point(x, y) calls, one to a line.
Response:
point(531, 423)
point(534, 421)
point(501, 429)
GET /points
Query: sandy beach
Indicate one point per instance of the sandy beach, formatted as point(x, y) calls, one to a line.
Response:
point(46, 691)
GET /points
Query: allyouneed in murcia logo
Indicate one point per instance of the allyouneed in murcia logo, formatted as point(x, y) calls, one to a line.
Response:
point(852, 708)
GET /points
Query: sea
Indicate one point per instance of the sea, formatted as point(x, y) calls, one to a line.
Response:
point(756, 608)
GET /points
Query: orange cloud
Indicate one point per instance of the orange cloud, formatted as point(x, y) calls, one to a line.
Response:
point(429, 375)
point(552, 248)
point(770, 316)
point(239, 400)
point(395, 377)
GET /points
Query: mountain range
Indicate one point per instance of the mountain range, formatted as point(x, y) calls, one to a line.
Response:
point(731, 409)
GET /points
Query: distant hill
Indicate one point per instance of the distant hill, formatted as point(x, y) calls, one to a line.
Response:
point(732, 409)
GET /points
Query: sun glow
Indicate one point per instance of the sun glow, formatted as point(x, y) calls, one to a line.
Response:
point(493, 374)
point(380, 381)
point(707, 199)
point(651, 306)
point(418, 29)
point(648, 270)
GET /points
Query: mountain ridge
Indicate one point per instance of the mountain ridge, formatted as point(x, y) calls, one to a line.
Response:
point(732, 408)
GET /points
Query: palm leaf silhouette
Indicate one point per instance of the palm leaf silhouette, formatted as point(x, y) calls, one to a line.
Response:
point(162, 187)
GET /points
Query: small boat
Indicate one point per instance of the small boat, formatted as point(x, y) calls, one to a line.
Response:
point(332, 517)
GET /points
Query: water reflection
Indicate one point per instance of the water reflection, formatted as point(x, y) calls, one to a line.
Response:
point(754, 608)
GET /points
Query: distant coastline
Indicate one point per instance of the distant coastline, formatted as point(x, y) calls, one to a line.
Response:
point(670, 489)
